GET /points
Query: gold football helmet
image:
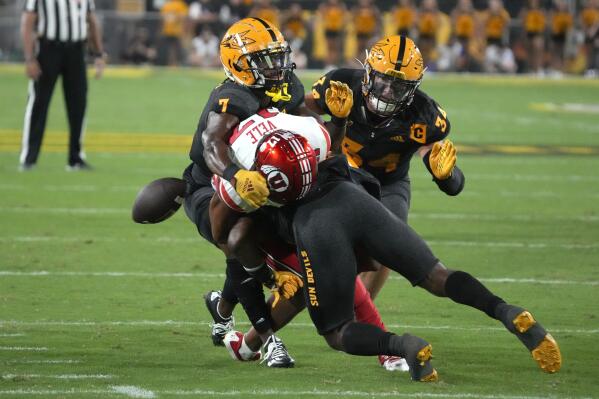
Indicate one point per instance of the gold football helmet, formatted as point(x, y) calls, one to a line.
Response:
point(393, 71)
point(255, 54)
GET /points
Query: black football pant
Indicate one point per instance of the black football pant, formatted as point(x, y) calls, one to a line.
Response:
point(56, 59)
point(328, 227)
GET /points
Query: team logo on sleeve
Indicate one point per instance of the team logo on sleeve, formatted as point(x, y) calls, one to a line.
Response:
point(277, 180)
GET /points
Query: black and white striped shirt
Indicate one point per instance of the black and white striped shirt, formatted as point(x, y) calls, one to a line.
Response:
point(61, 20)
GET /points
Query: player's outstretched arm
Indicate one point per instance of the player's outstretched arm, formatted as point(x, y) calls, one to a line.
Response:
point(250, 185)
point(440, 159)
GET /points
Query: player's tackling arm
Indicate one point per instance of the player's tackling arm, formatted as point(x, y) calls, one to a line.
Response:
point(250, 185)
point(216, 148)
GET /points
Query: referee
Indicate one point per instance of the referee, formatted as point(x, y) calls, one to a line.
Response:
point(55, 33)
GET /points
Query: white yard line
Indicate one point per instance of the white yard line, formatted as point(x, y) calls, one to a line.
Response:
point(133, 391)
point(186, 323)
point(276, 393)
point(77, 211)
point(11, 335)
point(174, 240)
point(60, 376)
point(57, 361)
point(45, 273)
point(423, 215)
point(23, 348)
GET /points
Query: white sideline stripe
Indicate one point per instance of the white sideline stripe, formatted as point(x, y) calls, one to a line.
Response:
point(507, 244)
point(274, 392)
point(23, 348)
point(172, 240)
point(181, 323)
point(100, 211)
point(59, 376)
point(66, 361)
point(451, 216)
point(44, 273)
point(11, 335)
point(133, 391)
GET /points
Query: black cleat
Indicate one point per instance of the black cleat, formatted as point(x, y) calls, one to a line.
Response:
point(78, 165)
point(418, 354)
point(220, 325)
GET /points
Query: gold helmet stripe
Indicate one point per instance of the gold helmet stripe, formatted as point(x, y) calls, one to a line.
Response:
point(400, 53)
point(268, 28)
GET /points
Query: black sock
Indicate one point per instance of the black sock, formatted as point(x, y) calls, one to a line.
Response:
point(251, 296)
point(365, 340)
point(228, 288)
point(462, 288)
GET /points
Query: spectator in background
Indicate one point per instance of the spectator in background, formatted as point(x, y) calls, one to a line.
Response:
point(589, 20)
point(204, 49)
point(232, 12)
point(174, 20)
point(428, 22)
point(463, 20)
point(266, 11)
point(294, 29)
point(561, 25)
point(534, 20)
point(333, 15)
point(495, 21)
point(404, 17)
point(204, 13)
point(367, 21)
point(139, 49)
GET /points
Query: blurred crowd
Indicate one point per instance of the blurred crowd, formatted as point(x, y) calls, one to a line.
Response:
point(536, 36)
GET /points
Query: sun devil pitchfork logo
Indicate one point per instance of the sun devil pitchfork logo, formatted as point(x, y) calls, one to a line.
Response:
point(277, 180)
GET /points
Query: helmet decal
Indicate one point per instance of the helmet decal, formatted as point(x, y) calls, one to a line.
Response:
point(276, 179)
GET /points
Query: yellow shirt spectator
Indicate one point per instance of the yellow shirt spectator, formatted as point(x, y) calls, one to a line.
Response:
point(173, 15)
point(561, 23)
point(495, 24)
point(464, 26)
point(365, 21)
point(404, 19)
point(333, 17)
point(590, 17)
point(534, 21)
point(427, 25)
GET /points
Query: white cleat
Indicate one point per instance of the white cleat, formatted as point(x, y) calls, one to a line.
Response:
point(275, 353)
point(394, 363)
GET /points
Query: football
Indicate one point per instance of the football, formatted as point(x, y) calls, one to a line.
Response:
point(158, 200)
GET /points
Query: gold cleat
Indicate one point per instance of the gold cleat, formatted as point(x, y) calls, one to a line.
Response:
point(540, 343)
point(547, 355)
point(432, 377)
point(523, 322)
point(425, 354)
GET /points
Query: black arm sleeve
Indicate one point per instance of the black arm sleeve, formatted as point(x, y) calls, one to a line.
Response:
point(450, 186)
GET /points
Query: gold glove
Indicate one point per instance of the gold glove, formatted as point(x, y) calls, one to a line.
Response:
point(339, 98)
point(286, 284)
point(251, 187)
point(442, 159)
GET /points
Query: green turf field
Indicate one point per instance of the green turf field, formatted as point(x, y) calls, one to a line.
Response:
point(93, 305)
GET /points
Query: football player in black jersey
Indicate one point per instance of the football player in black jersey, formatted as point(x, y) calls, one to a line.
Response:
point(390, 121)
point(256, 60)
